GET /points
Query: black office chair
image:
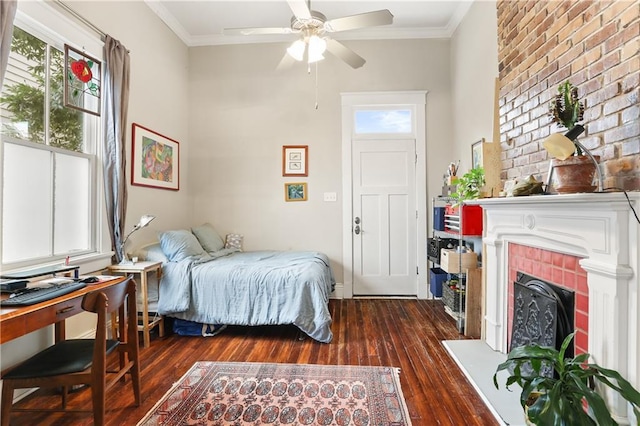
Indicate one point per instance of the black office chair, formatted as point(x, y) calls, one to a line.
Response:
point(84, 361)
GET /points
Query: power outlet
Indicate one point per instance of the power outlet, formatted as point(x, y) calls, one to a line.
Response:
point(330, 196)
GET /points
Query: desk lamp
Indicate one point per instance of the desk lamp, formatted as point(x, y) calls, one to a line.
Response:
point(563, 146)
point(144, 221)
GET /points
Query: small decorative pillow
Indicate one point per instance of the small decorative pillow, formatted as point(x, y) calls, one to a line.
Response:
point(208, 237)
point(180, 244)
point(233, 241)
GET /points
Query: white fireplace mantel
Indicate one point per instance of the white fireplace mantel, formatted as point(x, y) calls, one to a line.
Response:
point(600, 228)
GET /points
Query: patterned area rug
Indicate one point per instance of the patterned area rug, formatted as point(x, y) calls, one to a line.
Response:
point(240, 393)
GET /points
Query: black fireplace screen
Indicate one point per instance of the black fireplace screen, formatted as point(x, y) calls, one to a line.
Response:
point(542, 313)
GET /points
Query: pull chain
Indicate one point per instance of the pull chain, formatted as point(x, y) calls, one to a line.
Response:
point(316, 85)
point(309, 72)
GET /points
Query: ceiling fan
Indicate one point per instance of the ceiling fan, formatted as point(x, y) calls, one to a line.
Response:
point(312, 28)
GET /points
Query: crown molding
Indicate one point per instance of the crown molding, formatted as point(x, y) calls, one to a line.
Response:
point(378, 33)
point(169, 20)
point(374, 34)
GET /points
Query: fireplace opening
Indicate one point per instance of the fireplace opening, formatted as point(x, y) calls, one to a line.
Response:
point(543, 313)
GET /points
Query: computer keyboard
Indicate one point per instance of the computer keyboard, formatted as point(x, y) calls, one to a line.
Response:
point(33, 295)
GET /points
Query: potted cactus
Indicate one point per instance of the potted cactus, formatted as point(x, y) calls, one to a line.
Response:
point(566, 109)
point(573, 170)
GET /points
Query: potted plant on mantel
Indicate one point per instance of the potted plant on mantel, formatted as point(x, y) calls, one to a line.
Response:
point(574, 171)
point(569, 396)
point(468, 186)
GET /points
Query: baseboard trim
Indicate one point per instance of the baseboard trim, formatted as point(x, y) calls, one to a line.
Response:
point(338, 292)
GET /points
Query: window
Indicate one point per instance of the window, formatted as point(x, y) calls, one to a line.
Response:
point(49, 157)
point(371, 121)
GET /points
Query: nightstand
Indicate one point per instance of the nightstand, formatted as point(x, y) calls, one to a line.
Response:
point(143, 269)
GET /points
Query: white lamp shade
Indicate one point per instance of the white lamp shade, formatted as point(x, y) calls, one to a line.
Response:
point(296, 50)
point(145, 220)
point(317, 47)
point(559, 146)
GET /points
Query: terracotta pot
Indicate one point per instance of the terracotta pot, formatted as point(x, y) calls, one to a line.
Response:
point(575, 174)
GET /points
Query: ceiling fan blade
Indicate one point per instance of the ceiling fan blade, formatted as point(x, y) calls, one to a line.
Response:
point(343, 52)
point(369, 19)
point(300, 9)
point(256, 31)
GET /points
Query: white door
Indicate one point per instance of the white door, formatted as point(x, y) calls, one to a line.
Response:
point(384, 183)
point(384, 217)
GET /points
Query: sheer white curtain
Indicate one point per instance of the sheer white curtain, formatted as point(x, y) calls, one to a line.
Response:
point(116, 95)
point(7, 14)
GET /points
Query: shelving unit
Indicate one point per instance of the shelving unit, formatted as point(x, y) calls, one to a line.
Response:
point(464, 304)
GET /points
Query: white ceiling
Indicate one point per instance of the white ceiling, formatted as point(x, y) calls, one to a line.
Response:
point(200, 22)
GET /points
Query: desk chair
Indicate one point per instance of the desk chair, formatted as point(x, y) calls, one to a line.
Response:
point(84, 361)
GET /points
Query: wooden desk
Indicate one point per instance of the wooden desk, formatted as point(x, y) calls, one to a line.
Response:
point(18, 321)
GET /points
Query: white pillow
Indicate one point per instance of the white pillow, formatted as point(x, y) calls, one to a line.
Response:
point(208, 237)
point(152, 252)
point(180, 244)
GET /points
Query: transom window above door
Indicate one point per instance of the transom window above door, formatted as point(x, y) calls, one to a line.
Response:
point(376, 121)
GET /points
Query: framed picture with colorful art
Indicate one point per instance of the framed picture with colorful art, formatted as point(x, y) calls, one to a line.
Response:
point(155, 159)
point(296, 191)
point(82, 81)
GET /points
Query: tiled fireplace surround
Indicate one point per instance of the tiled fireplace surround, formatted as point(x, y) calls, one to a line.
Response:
point(587, 242)
point(562, 270)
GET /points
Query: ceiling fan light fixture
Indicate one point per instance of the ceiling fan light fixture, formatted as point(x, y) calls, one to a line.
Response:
point(313, 29)
point(296, 50)
point(317, 47)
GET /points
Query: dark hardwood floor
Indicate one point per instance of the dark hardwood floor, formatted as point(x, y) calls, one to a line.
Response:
point(399, 333)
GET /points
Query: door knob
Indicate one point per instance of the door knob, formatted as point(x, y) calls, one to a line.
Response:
point(357, 220)
point(357, 229)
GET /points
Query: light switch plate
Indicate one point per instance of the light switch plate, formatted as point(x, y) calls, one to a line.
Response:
point(330, 196)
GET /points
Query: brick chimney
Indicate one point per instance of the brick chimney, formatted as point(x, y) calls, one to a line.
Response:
point(596, 46)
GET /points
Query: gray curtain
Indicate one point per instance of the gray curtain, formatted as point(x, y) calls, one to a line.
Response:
point(7, 14)
point(116, 100)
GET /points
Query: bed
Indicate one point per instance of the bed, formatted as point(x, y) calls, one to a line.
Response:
point(206, 281)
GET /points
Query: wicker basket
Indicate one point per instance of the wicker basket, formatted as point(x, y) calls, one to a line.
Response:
point(452, 297)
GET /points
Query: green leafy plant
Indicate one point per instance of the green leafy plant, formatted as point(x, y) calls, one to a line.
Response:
point(25, 101)
point(568, 397)
point(566, 109)
point(468, 185)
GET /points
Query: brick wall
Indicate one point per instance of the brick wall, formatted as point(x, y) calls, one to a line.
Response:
point(596, 46)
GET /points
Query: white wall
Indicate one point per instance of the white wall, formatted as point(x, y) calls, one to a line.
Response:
point(158, 100)
point(474, 66)
point(243, 111)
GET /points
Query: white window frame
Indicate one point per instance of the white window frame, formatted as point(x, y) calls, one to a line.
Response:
point(55, 28)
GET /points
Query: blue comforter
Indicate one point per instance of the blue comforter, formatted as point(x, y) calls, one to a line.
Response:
point(251, 288)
